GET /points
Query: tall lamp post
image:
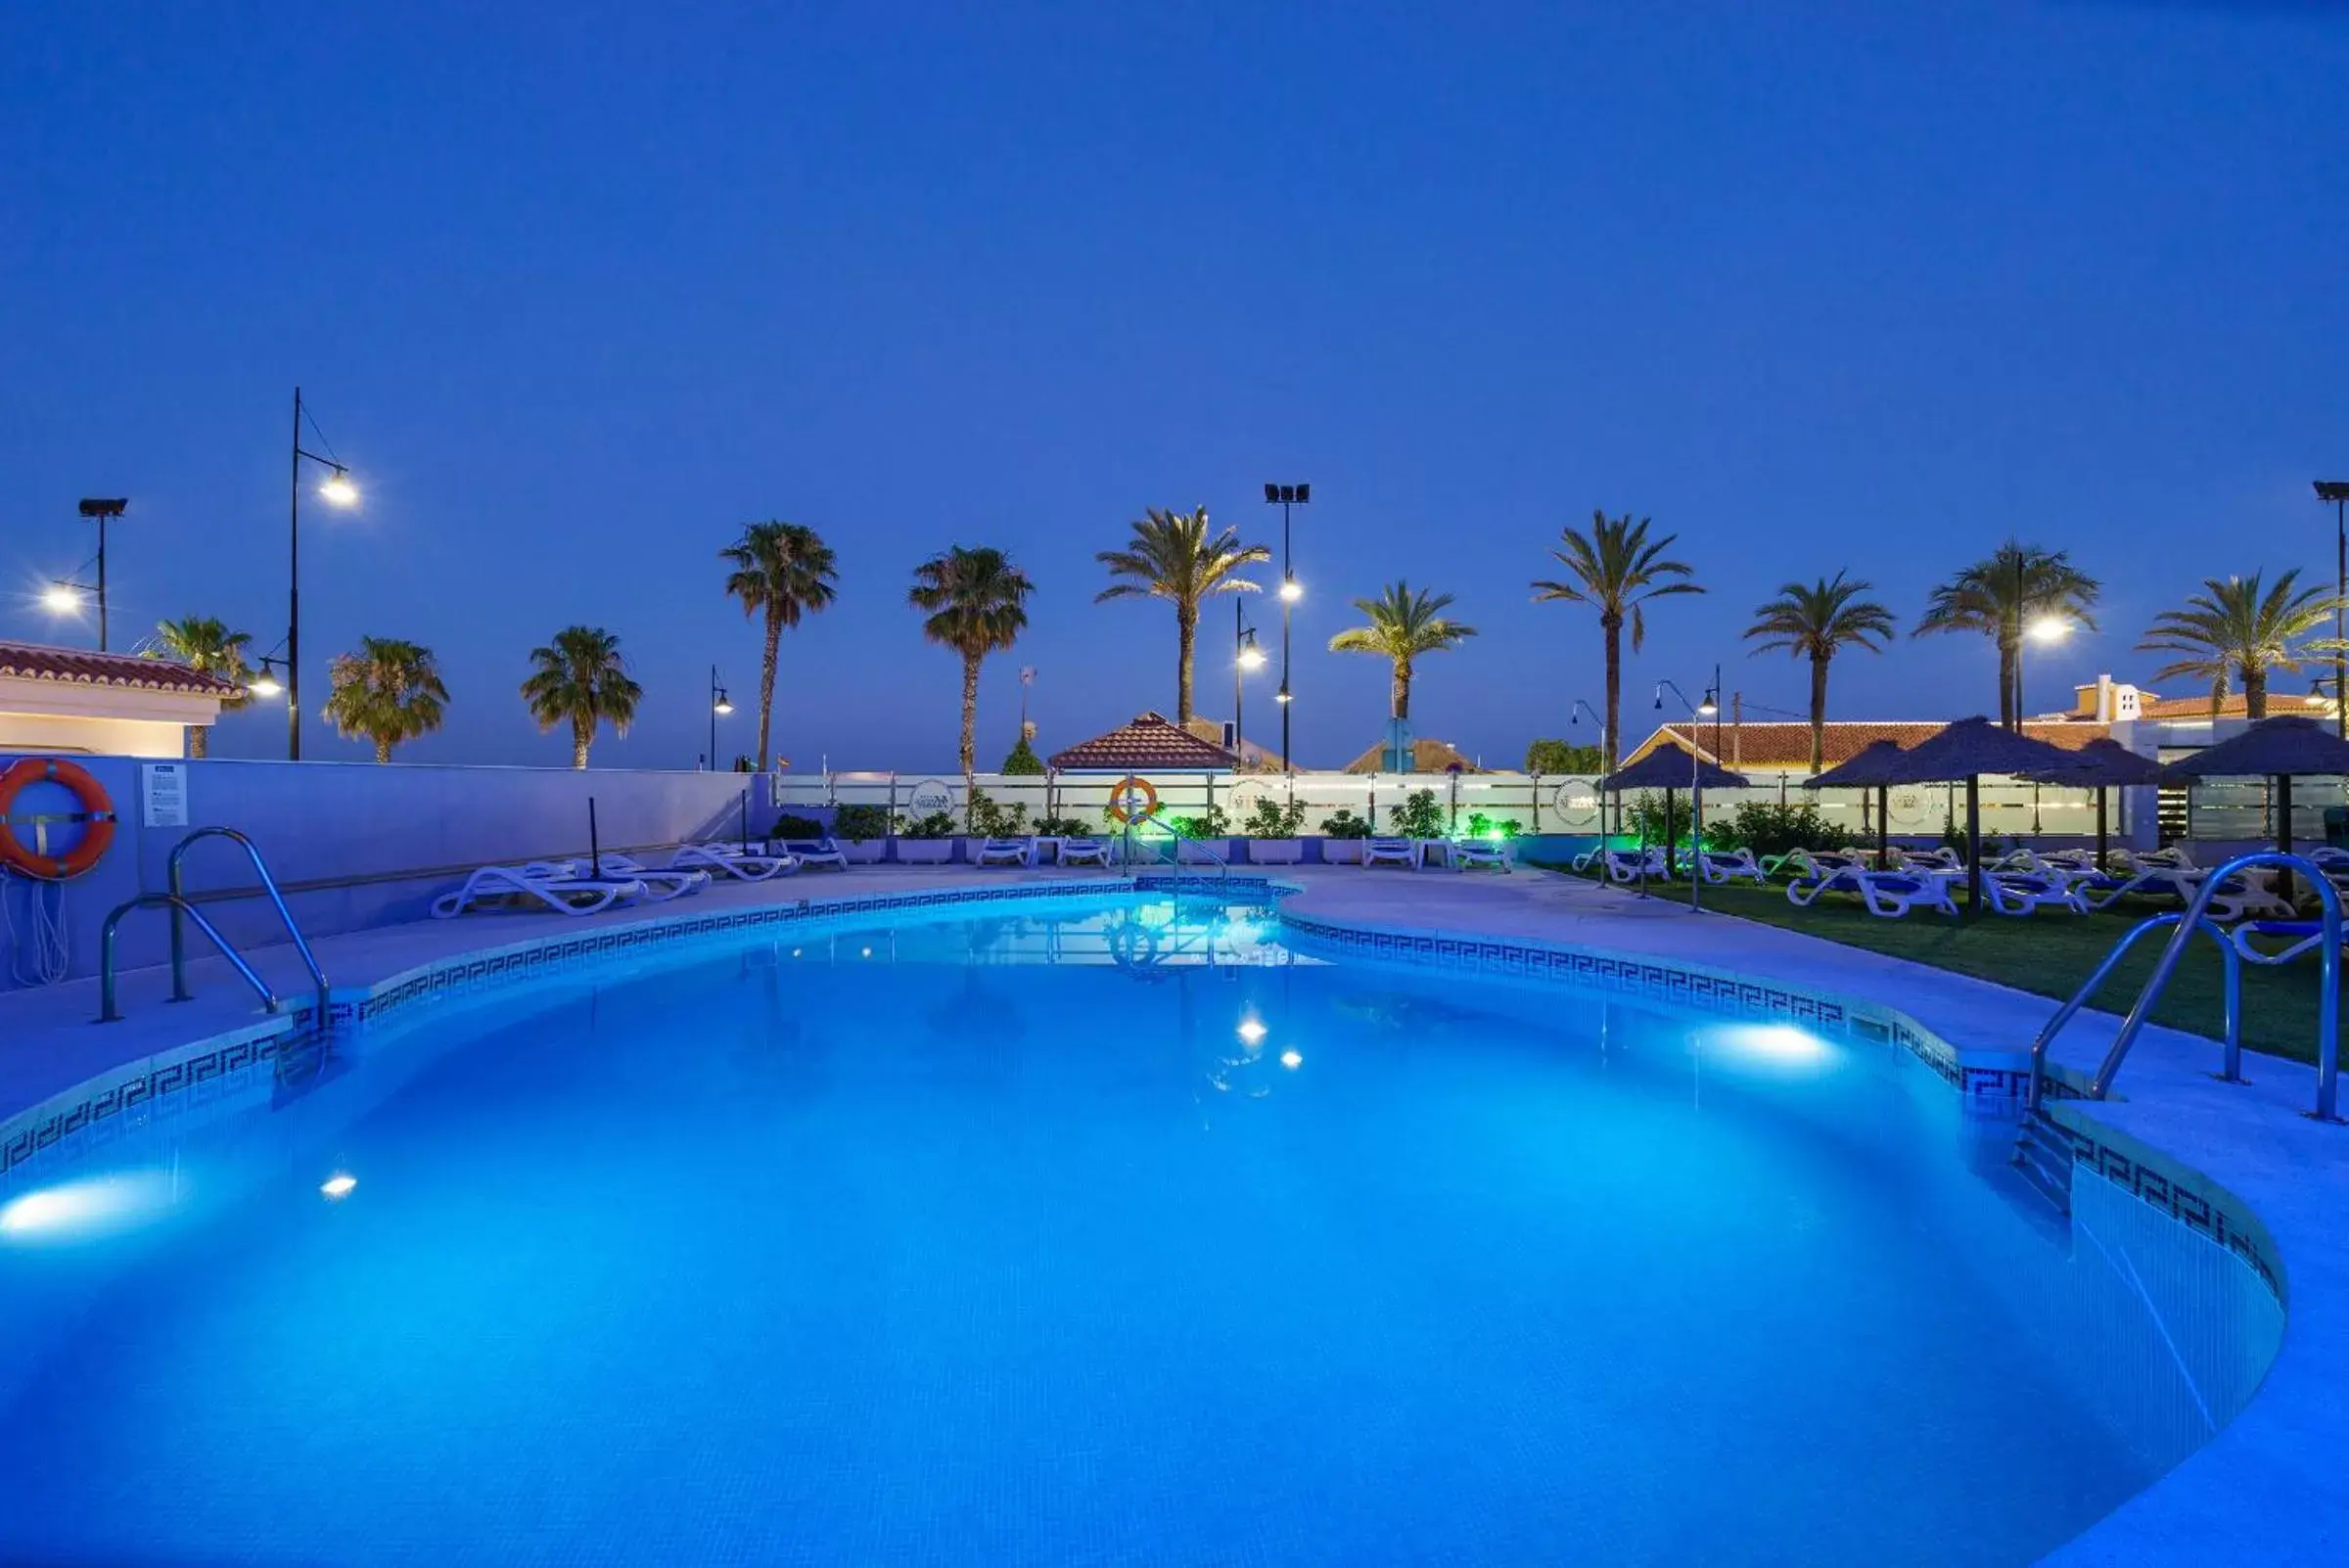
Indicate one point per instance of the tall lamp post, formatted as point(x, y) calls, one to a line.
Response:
point(1245, 656)
point(720, 705)
point(1574, 718)
point(1707, 709)
point(64, 597)
point(2337, 492)
point(337, 491)
point(1286, 496)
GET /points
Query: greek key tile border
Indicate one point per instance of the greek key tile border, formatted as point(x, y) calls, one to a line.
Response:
point(1998, 1090)
point(170, 1084)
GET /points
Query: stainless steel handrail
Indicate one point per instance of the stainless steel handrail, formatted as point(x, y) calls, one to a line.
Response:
point(2329, 1001)
point(1221, 862)
point(179, 895)
point(2233, 1072)
point(108, 1012)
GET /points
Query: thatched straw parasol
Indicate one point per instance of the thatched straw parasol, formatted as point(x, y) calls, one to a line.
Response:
point(2103, 764)
point(2280, 748)
point(1872, 768)
point(1670, 769)
point(1967, 750)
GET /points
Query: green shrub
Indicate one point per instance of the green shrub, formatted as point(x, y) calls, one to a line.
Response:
point(1213, 825)
point(790, 826)
point(1269, 818)
point(1481, 826)
point(1344, 825)
point(988, 820)
point(1768, 828)
point(1563, 756)
point(1419, 817)
point(936, 825)
point(1023, 760)
point(1061, 827)
point(861, 822)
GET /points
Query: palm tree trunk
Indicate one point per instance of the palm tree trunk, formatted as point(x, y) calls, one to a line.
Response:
point(1613, 739)
point(766, 691)
point(2006, 703)
point(382, 749)
point(970, 710)
point(1819, 716)
point(197, 737)
point(2255, 691)
point(1186, 639)
point(581, 733)
point(1399, 691)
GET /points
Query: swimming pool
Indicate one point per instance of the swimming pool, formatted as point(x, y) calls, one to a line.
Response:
point(1103, 1232)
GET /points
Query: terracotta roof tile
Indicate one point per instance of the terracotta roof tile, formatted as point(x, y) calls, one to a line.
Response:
point(79, 666)
point(1427, 757)
point(1773, 746)
point(1149, 742)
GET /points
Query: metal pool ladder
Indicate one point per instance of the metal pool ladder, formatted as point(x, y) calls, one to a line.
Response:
point(2044, 1152)
point(1220, 860)
point(178, 903)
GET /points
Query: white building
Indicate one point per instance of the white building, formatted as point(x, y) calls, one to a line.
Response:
point(71, 701)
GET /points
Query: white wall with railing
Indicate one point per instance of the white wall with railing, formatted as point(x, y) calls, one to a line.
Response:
point(1538, 803)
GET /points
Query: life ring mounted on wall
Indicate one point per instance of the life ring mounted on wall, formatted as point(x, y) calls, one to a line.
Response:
point(1133, 799)
point(96, 816)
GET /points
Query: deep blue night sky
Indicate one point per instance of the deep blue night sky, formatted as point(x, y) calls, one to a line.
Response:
point(578, 290)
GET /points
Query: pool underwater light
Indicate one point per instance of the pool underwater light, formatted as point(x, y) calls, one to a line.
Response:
point(339, 1185)
point(1292, 1059)
point(1252, 1031)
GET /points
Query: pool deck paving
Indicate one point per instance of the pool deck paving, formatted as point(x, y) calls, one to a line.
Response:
point(2269, 1487)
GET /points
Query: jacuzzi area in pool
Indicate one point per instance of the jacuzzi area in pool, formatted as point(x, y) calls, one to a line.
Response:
point(1043, 1226)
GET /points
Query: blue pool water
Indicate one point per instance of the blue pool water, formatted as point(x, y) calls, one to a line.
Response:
point(1120, 1234)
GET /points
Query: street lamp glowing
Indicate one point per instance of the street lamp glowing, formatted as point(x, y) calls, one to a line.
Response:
point(1251, 657)
point(339, 489)
point(1282, 695)
point(61, 599)
point(724, 705)
point(1708, 708)
point(1291, 590)
point(2050, 629)
point(265, 685)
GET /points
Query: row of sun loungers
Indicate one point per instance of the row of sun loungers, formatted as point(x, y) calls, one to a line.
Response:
point(583, 887)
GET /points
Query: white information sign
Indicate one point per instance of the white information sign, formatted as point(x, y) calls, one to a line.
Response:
point(164, 790)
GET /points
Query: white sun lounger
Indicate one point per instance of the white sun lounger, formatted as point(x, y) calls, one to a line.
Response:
point(508, 884)
point(1389, 852)
point(1888, 893)
point(1943, 858)
point(1719, 866)
point(1085, 851)
point(730, 860)
point(2017, 893)
point(1007, 851)
point(1473, 852)
point(659, 886)
point(1633, 865)
point(818, 851)
point(1805, 866)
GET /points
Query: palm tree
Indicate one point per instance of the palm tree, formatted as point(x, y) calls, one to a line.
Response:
point(1172, 557)
point(203, 643)
point(978, 604)
point(389, 691)
point(1816, 622)
point(1403, 626)
point(1616, 568)
point(581, 677)
point(2001, 598)
point(783, 571)
point(2233, 631)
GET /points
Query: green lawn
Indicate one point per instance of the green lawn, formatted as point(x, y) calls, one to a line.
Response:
point(2051, 954)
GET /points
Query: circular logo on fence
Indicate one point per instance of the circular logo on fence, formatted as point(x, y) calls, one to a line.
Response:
point(933, 795)
point(1241, 800)
point(1575, 804)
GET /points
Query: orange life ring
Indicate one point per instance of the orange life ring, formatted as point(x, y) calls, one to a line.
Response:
point(1126, 788)
point(97, 817)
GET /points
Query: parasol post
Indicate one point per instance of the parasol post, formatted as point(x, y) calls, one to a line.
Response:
point(1883, 832)
point(1973, 844)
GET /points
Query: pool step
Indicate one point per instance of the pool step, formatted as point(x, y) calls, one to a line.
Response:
point(2043, 1153)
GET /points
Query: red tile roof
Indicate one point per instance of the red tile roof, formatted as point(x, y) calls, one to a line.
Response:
point(77, 667)
point(1427, 757)
point(1150, 742)
point(1773, 746)
point(2235, 706)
